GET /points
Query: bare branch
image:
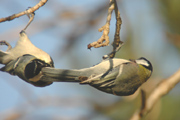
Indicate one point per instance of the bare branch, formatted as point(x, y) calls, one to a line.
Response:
point(143, 101)
point(104, 40)
point(162, 89)
point(117, 43)
point(30, 10)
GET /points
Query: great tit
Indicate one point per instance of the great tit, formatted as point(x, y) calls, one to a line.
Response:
point(16, 59)
point(115, 76)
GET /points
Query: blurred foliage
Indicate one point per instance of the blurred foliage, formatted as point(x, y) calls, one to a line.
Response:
point(170, 108)
point(170, 10)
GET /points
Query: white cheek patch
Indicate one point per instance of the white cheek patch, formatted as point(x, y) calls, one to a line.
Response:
point(142, 62)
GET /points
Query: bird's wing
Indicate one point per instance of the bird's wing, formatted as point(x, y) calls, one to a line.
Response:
point(103, 80)
point(121, 74)
point(128, 73)
point(128, 80)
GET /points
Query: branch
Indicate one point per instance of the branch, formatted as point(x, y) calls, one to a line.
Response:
point(117, 44)
point(104, 40)
point(30, 10)
point(162, 89)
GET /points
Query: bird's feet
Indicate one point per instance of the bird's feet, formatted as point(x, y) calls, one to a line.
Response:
point(112, 54)
point(30, 16)
point(3, 42)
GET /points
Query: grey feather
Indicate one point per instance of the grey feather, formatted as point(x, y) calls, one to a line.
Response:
point(74, 75)
point(115, 76)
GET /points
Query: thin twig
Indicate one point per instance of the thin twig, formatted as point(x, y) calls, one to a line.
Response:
point(143, 101)
point(104, 40)
point(117, 43)
point(162, 89)
point(30, 10)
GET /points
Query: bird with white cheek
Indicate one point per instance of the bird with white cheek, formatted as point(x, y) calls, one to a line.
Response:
point(115, 76)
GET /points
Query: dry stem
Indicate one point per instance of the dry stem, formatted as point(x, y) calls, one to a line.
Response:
point(104, 40)
point(117, 43)
point(30, 10)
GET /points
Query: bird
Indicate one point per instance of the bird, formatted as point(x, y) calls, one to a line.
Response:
point(25, 51)
point(116, 76)
point(28, 68)
point(23, 47)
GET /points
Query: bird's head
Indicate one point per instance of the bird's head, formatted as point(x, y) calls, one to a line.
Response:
point(145, 63)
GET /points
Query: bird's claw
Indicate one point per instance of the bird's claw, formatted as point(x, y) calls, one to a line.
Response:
point(3, 42)
point(112, 54)
point(30, 16)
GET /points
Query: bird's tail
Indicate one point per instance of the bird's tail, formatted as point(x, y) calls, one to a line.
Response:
point(60, 75)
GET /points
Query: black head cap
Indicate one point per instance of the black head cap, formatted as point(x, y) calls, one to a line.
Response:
point(144, 62)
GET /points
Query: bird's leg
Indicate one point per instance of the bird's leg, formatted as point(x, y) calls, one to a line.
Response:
point(31, 17)
point(3, 42)
point(111, 55)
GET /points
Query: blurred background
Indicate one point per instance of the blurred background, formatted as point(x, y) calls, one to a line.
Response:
point(64, 28)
